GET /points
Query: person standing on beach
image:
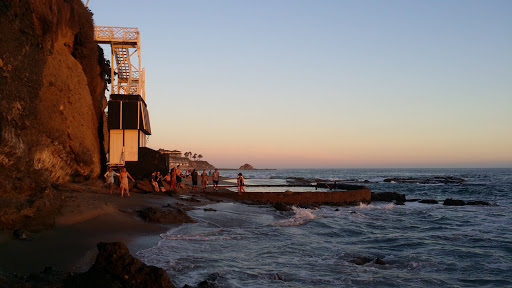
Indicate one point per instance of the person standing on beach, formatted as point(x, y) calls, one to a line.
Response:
point(178, 178)
point(240, 182)
point(123, 178)
point(194, 176)
point(109, 176)
point(215, 178)
point(159, 180)
point(204, 179)
point(173, 178)
point(153, 181)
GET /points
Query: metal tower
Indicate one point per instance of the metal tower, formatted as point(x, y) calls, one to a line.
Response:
point(125, 44)
point(128, 117)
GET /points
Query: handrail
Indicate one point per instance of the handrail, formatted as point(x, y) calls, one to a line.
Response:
point(108, 34)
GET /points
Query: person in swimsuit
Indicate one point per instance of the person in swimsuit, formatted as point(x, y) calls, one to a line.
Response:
point(123, 179)
point(215, 178)
point(240, 182)
point(109, 176)
point(204, 179)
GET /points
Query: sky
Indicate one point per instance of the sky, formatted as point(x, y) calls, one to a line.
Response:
point(326, 84)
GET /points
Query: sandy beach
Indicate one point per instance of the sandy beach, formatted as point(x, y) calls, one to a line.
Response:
point(90, 215)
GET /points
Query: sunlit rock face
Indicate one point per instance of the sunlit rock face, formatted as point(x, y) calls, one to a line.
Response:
point(52, 102)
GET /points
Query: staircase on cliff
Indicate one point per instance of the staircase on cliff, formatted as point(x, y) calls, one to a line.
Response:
point(128, 116)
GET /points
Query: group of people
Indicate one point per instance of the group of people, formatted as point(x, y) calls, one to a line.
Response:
point(123, 180)
point(174, 178)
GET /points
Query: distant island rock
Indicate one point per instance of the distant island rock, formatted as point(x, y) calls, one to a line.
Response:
point(246, 167)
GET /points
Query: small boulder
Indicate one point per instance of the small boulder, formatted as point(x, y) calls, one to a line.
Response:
point(20, 234)
point(388, 197)
point(144, 186)
point(168, 215)
point(361, 260)
point(116, 267)
point(279, 206)
point(379, 261)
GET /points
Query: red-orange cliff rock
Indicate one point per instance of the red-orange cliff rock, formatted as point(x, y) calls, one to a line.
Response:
point(52, 102)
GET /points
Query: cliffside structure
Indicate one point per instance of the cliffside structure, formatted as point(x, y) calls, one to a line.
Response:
point(128, 117)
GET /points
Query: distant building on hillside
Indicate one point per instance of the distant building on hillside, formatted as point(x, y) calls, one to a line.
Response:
point(175, 158)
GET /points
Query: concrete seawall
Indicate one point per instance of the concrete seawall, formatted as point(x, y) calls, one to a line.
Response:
point(349, 197)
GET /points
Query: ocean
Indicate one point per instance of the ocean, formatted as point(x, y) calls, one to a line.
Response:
point(422, 245)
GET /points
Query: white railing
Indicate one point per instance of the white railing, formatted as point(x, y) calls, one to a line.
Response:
point(116, 34)
point(125, 89)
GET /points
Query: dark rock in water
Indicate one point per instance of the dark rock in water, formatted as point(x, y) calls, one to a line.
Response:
point(309, 206)
point(209, 282)
point(277, 276)
point(453, 202)
point(429, 201)
point(246, 166)
point(413, 200)
point(209, 210)
point(478, 203)
point(379, 261)
point(427, 180)
point(190, 199)
point(299, 181)
point(20, 234)
point(397, 202)
point(388, 197)
point(279, 206)
point(168, 215)
point(116, 267)
point(337, 209)
point(361, 260)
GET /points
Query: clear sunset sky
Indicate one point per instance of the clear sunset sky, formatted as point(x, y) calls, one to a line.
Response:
point(320, 83)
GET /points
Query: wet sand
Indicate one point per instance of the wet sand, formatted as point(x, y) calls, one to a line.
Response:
point(90, 215)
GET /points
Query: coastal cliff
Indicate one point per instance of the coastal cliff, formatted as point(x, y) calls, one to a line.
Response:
point(52, 85)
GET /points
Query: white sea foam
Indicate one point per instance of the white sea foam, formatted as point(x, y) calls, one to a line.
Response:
point(302, 216)
point(371, 206)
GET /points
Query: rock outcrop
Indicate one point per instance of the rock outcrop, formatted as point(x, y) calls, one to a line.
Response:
point(427, 180)
point(52, 85)
point(388, 197)
point(116, 267)
point(168, 215)
point(246, 167)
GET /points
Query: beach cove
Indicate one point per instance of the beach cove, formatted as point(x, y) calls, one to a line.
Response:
point(239, 245)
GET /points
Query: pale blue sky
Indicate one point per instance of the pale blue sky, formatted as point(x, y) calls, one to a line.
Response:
point(327, 83)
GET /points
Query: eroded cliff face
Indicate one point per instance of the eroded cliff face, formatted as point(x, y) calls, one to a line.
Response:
point(52, 102)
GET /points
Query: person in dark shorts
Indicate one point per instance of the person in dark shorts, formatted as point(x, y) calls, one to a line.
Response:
point(194, 175)
point(240, 182)
point(215, 178)
point(159, 180)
